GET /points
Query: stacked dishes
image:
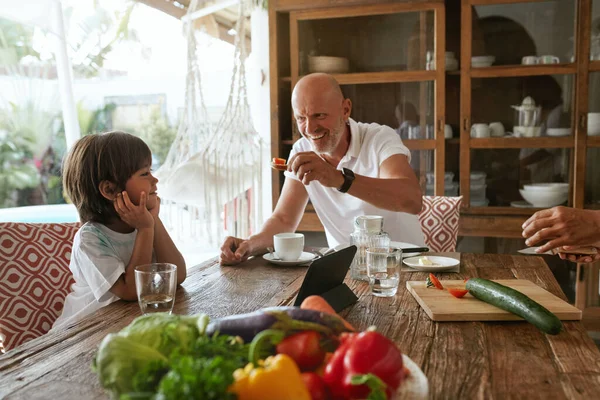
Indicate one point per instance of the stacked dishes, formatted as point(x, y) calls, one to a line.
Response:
point(330, 65)
point(482, 61)
point(545, 195)
point(593, 121)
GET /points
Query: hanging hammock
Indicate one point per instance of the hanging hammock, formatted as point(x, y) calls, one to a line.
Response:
point(217, 170)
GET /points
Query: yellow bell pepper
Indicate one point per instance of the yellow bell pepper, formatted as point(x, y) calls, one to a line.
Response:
point(277, 378)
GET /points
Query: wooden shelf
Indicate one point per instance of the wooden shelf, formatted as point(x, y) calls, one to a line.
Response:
point(509, 71)
point(453, 141)
point(419, 144)
point(288, 142)
point(287, 79)
point(522, 143)
point(457, 72)
point(594, 66)
point(358, 78)
point(499, 211)
point(593, 141)
point(490, 2)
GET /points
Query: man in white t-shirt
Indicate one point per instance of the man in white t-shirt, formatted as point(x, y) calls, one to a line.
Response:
point(345, 168)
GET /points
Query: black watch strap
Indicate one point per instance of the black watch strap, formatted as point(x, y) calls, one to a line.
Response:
point(348, 179)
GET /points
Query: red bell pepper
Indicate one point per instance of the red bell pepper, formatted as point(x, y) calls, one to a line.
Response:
point(365, 353)
point(304, 348)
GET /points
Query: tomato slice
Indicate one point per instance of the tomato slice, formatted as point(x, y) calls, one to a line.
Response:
point(279, 161)
point(433, 281)
point(458, 293)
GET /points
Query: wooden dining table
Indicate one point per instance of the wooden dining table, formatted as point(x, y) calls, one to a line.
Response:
point(462, 360)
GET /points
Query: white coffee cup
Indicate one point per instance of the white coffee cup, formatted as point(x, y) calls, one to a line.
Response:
point(288, 246)
point(496, 129)
point(530, 60)
point(549, 59)
point(480, 131)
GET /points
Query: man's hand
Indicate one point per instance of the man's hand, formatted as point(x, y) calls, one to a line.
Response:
point(563, 226)
point(137, 217)
point(578, 258)
point(308, 167)
point(234, 251)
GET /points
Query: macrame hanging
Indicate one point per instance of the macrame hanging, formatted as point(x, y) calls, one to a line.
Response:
point(219, 170)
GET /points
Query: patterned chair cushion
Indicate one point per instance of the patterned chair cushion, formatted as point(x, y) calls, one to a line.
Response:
point(34, 277)
point(439, 221)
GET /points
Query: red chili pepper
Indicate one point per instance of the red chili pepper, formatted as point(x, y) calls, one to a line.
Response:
point(433, 281)
point(365, 353)
point(457, 292)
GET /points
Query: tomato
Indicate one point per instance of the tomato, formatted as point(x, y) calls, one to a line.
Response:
point(304, 348)
point(457, 292)
point(279, 161)
point(433, 281)
point(315, 385)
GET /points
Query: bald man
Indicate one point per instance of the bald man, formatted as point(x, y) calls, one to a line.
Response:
point(345, 168)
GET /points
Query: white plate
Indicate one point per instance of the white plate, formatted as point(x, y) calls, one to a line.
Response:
point(521, 204)
point(404, 245)
point(415, 386)
point(439, 263)
point(305, 258)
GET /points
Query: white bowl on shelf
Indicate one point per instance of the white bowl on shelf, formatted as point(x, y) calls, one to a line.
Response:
point(482, 61)
point(329, 65)
point(544, 198)
point(528, 131)
point(547, 187)
point(558, 132)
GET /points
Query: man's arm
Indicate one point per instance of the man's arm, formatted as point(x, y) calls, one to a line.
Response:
point(396, 189)
point(286, 218)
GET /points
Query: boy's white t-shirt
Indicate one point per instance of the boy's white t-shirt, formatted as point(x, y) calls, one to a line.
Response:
point(98, 258)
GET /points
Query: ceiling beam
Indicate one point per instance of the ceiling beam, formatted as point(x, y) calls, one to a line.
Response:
point(207, 10)
point(166, 7)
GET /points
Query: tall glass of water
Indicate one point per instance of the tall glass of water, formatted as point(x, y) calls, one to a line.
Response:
point(155, 285)
point(383, 270)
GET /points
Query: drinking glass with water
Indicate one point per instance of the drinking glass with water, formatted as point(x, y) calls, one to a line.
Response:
point(155, 285)
point(383, 270)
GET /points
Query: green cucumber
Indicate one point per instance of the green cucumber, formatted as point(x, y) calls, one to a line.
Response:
point(515, 302)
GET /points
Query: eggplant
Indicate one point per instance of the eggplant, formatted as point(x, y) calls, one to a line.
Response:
point(287, 319)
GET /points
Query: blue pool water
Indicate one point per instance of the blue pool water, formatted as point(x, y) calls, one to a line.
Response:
point(46, 213)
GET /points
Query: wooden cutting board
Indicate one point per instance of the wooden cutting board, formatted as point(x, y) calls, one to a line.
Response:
point(442, 306)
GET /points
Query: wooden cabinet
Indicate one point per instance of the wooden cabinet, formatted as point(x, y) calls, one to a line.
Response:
point(460, 68)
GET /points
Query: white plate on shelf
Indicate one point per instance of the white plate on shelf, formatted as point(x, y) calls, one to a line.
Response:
point(305, 258)
point(439, 263)
point(521, 204)
point(404, 245)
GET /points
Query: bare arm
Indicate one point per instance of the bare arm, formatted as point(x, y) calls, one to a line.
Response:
point(286, 218)
point(166, 251)
point(124, 287)
point(397, 188)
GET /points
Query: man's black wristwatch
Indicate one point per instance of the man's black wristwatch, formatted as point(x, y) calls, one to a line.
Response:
point(348, 179)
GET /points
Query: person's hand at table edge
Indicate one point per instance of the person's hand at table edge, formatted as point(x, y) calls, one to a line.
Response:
point(234, 251)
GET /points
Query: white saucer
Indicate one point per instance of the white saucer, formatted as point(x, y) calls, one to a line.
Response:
point(521, 204)
point(440, 263)
point(404, 245)
point(305, 258)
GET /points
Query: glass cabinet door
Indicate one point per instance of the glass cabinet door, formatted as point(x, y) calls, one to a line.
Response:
point(400, 41)
point(521, 140)
point(595, 31)
point(528, 33)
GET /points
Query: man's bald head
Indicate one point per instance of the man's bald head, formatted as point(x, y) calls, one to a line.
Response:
point(317, 84)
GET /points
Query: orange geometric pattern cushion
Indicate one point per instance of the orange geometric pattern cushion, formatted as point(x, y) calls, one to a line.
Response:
point(439, 220)
point(34, 277)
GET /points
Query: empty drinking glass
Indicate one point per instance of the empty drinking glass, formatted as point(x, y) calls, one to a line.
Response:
point(383, 270)
point(155, 285)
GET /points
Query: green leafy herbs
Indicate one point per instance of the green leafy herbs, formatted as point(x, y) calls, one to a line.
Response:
point(163, 356)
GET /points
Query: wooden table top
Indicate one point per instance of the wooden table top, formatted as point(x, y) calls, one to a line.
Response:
point(469, 360)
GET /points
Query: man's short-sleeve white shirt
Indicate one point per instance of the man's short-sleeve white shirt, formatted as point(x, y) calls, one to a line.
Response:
point(370, 145)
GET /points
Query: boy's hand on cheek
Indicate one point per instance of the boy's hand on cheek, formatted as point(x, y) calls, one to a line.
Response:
point(156, 209)
point(137, 217)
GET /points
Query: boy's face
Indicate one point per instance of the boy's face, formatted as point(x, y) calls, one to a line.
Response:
point(142, 180)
